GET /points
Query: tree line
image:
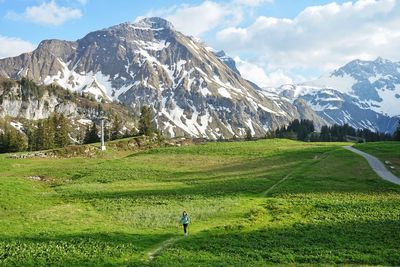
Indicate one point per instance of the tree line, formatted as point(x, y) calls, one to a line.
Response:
point(54, 132)
point(11, 139)
point(304, 130)
point(49, 133)
point(115, 131)
point(297, 129)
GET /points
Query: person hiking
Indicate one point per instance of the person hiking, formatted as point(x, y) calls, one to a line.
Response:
point(185, 222)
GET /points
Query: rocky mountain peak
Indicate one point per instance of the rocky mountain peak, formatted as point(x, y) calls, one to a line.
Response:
point(191, 90)
point(230, 62)
point(380, 60)
point(220, 53)
point(154, 23)
point(363, 70)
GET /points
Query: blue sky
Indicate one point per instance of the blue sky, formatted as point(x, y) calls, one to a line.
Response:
point(97, 14)
point(273, 41)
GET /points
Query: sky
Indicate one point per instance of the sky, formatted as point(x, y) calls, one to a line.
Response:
point(274, 42)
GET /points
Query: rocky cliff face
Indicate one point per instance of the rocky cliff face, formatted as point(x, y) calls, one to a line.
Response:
point(17, 101)
point(23, 101)
point(190, 88)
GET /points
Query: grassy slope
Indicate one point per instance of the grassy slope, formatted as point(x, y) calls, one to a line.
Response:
point(114, 210)
point(384, 151)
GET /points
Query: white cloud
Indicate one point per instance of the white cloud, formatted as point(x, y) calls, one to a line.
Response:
point(323, 37)
point(47, 13)
point(195, 20)
point(256, 74)
point(11, 46)
point(208, 15)
point(252, 3)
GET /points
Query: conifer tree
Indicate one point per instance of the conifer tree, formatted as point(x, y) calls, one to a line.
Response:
point(2, 147)
point(86, 138)
point(61, 131)
point(48, 134)
point(249, 136)
point(396, 135)
point(17, 142)
point(4, 139)
point(31, 139)
point(12, 140)
point(91, 135)
point(116, 128)
point(38, 135)
point(325, 135)
point(145, 125)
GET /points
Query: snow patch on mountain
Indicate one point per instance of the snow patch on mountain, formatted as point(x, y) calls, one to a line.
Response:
point(156, 46)
point(96, 84)
point(18, 126)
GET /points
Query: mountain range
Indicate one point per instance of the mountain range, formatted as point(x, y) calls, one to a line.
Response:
point(363, 94)
point(196, 91)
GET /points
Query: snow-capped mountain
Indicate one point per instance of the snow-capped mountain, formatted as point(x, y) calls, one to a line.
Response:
point(364, 94)
point(376, 84)
point(191, 89)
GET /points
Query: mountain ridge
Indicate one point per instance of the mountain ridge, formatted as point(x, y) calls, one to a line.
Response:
point(191, 90)
point(360, 93)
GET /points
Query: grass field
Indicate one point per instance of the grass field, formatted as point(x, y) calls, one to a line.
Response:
point(385, 151)
point(256, 203)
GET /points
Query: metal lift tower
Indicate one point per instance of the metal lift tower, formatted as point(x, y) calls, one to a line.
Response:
point(103, 146)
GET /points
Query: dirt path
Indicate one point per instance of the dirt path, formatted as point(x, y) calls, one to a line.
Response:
point(316, 159)
point(154, 252)
point(276, 184)
point(377, 166)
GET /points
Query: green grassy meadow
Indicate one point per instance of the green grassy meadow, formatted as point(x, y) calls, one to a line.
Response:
point(385, 151)
point(260, 203)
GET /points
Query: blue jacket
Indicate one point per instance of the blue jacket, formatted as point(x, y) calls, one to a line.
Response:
point(185, 219)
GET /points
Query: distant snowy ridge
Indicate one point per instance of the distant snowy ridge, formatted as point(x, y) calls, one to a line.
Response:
point(364, 94)
point(376, 84)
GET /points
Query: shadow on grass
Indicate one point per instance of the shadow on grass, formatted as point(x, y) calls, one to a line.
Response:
point(339, 171)
point(358, 242)
point(250, 177)
point(85, 249)
point(243, 149)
